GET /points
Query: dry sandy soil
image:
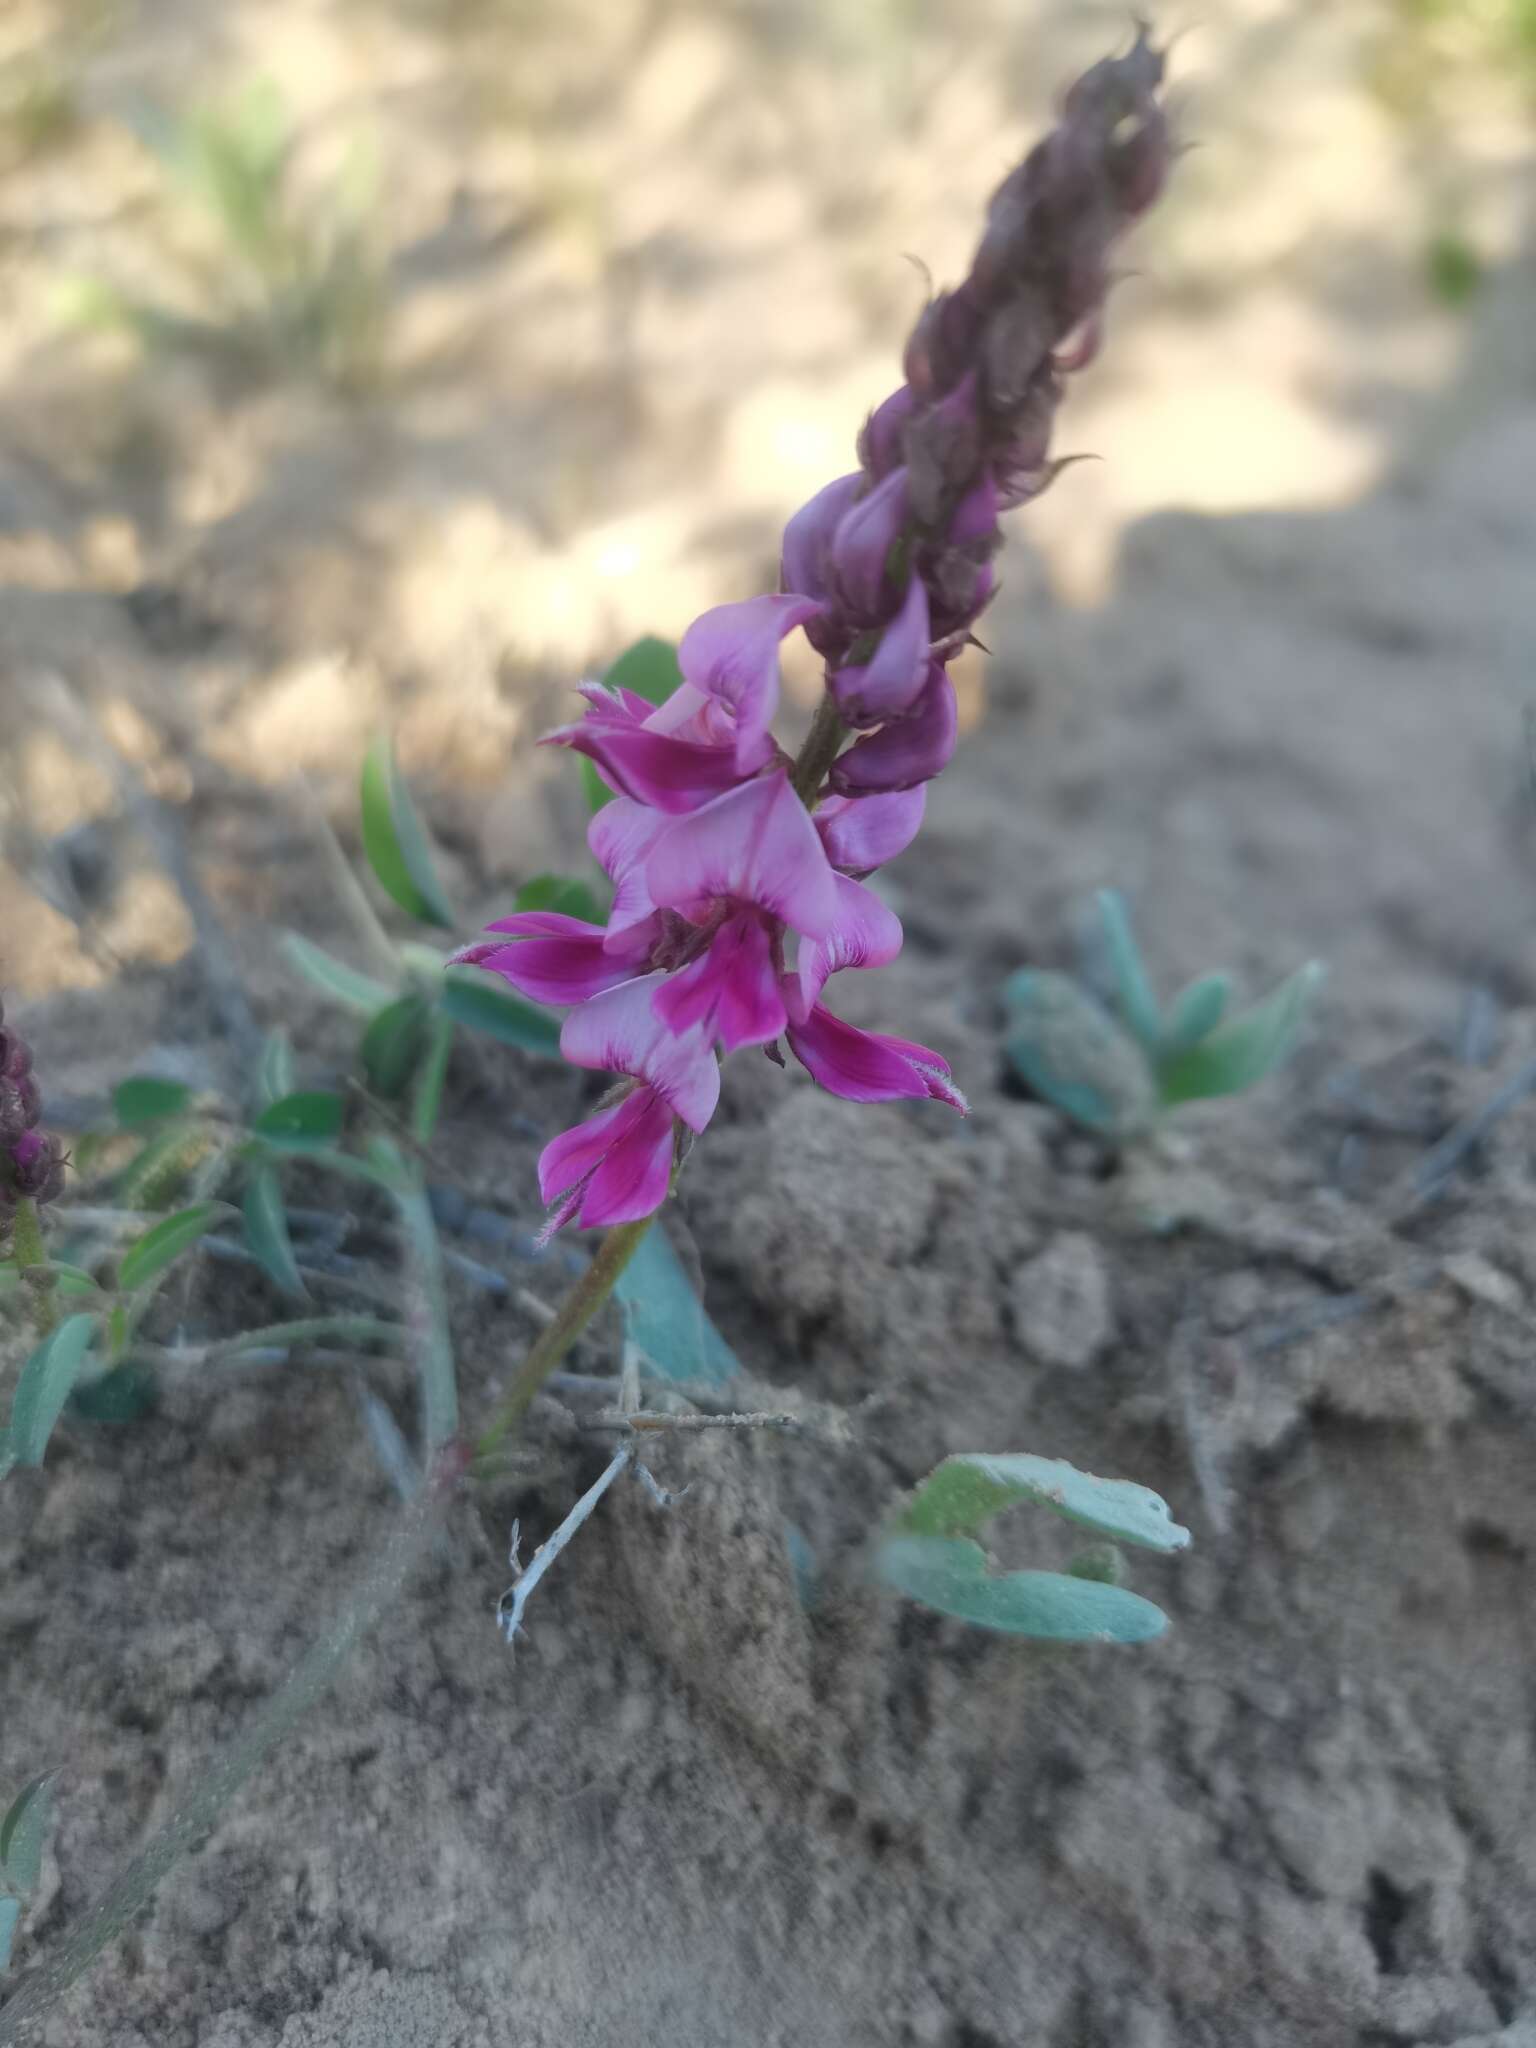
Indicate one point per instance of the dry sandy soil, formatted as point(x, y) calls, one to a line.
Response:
point(1264, 667)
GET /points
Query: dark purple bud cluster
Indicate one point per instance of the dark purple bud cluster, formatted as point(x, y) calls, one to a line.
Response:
point(899, 555)
point(30, 1161)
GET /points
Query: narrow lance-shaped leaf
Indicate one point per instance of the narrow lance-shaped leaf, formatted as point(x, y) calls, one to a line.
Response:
point(950, 1575)
point(665, 1318)
point(395, 841)
point(164, 1242)
point(1244, 1051)
point(23, 1830)
point(479, 1005)
point(146, 1099)
point(266, 1230)
point(393, 1044)
point(44, 1387)
point(333, 977)
point(1133, 991)
point(274, 1070)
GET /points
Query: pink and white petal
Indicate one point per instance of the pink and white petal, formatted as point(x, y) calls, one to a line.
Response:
point(621, 834)
point(755, 844)
point(808, 536)
point(633, 1179)
point(858, 1065)
point(619, 1031)
point(732, 652)
point(867, 933)
point(863, 833)
point(680, 714)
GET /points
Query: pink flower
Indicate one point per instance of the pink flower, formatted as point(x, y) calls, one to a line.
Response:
point(617, 1166)
point(554, 959)
point(712, 732)
point(888, 684)
point(908, 750)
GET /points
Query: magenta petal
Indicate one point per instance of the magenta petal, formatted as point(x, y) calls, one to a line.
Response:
point(908, 751)
point(888, 685)
point(619, 1031)
point(633, 1179)
point(669, 774)
point(732, 653)
point(862, 833)
point(881, 443)
point(867, 933)
point(862, 544)
point(858, 1065)
point(756, 845)
point(575, 1153)
point(568, 966)
point(731, 992)
point(808, 536)
point(975, 516)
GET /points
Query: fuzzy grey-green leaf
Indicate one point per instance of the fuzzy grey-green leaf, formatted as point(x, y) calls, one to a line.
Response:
point(23, 1830)
point(478, 1004)
point(164, 1242)
point(963, 1493)
point(266, 1230)
point(44, 1387)
point(341, 983)
point(1069, 1049)
point(949, 1574)
point(396, 842)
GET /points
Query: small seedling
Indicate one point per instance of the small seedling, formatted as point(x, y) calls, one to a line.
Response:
point(1117, 1068)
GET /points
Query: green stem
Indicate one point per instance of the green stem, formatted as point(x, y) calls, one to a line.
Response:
point(572, 1317)
point(30, 1255)
point(818, 753)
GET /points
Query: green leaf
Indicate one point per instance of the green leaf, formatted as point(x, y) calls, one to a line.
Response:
point(23, 1830)
point(950, 1575)
point(431, 1076)
point(274, 1070)
point(146, 1099)
point(969, 1488)
point(1195, 1013)
point(164, 1242)
point(567, 894)
point(393, 1043)
point(650, 669)
point(1071, 1052)
point(10, 1913)
point(1245, 1050)
point(395, 841)
point(341, 983)
point(479, 1004)
point(44, 1387)
point(294, 1123)
point(156, 1173)
point(266, 1230)
point(1133, 991)
point(664, 1318)
point(66, 1279)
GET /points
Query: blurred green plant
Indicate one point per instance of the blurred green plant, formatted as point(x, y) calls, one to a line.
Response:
point(22, 1834)
point(281, 281)
point(1117, 1070)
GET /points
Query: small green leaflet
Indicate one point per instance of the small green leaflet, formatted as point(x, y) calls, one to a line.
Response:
point(1245, 1050)
point(473, 1000)
point(396, 842)
point(650, 669)
point(664, 1318)
point(22, 1832)
point(963, 1493)
point(949, 1574)
point(393, 1044)
point(1196, 1012)
point(44, 1387)
point(146, 1099)
point(1133, 990)
point(341, 983)
point(164, 1242)
point(274, 1071)
point(266, 1230)
point(296, 1123)
point(566, 893)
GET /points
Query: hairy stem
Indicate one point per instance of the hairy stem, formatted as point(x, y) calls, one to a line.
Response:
point(818, 753)
point(28, 1251)
point(571, 1318)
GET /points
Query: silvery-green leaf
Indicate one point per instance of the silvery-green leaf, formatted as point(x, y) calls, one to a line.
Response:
point(950, 1575)
point(1133, 991)
point(22, 1832)
point(972, 1486)
point(1195, 1013)
point(164, 1242)
point(341, 983)
point(44, 1387)
point(1074, 1055)
point(665, 1318)
point(395, 840)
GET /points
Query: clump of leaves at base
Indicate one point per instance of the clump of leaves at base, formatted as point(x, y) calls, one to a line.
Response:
point(930, 1552)
point(1117, 1067)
